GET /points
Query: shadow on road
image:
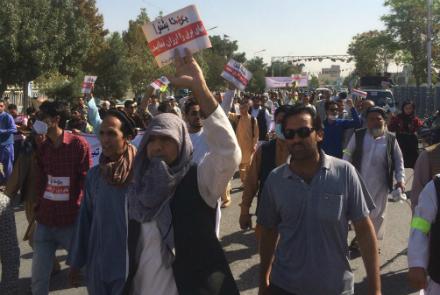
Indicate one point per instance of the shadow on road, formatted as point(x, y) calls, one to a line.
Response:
point(392, 282)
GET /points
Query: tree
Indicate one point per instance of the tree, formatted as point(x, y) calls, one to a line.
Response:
point(313, 82)
point(258, 69)
point(407, 24)
point(283, 69)
point(113, 69)
point(372, 52)
point(43, 35)
point(95, 22)
point(144, 68)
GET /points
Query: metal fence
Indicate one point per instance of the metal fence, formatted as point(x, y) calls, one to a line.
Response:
point(426, 104)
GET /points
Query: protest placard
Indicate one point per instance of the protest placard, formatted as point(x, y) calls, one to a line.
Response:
point(237, 74)
point(161, 84)
point(88, 84)
point(359, 93)
point(180, 29)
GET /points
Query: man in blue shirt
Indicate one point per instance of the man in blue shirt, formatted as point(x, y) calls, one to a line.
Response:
point(7, 130)
point(334, 128)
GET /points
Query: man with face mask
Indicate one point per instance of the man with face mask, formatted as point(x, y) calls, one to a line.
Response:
point(268, 156)
point(62, 165)
point(334, 128)
point(377, 156)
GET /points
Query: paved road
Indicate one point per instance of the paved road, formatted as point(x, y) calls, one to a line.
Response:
point(241, 252)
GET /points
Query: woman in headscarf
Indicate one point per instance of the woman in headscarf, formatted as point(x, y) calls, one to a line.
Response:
point(406, 125)
point(99, 242)
point(172, 202)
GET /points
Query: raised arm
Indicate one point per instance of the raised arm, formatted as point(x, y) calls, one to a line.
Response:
point(93, 115)
point(11, 128)
point(224, 155)
point(228, 99)
point(356, 121)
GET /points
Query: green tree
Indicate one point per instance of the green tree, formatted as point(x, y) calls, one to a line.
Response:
point(407, 22)
point(113, 69)
point(372, 52)
point(95, 22)
point(144, 68)
point(43, 35)
point(283, 69)
point(258, 69)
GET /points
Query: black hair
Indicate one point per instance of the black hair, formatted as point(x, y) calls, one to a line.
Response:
point(128, 126)
point(30, 111)
point(189, 104)
point(408, 102)
point(128, 103)
point(56, 108)
point(302, 109)
point(342, 95)
point(282, 109)
point(328, 103)
point(12, 106)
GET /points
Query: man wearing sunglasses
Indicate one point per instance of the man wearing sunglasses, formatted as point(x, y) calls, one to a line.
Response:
point(304, 213)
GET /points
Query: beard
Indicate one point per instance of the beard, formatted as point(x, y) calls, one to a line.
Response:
point(301, 152)
point(377, 132)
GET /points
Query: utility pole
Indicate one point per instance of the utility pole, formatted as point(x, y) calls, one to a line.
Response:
point(429, 54)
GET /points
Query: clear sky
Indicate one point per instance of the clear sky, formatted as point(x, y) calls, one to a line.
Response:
point(281, 27)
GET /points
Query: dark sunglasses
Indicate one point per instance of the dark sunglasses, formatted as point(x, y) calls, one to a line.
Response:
point(302, 132)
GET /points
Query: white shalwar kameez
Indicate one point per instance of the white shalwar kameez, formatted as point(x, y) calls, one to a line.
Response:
point(418, 243)
point(374, 173)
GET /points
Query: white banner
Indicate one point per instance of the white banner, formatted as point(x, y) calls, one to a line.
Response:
point(278, 82)
point(237, 74)
point(179, 29)
point(95, 145)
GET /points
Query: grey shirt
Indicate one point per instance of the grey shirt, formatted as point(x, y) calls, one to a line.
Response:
point(312, 220)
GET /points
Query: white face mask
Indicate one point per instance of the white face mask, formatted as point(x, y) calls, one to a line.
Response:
point(332, 117)
point(278, 131)
point(40, 127)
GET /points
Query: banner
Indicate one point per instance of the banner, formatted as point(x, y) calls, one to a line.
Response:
point(237, 74)
point(96, 149)
point(301, 80)
point(278, 82)
point(161, 84)
point(359, 93)
point(88, 84)
point(179, 29)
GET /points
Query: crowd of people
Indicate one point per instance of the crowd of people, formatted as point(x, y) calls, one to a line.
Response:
point(145, 220)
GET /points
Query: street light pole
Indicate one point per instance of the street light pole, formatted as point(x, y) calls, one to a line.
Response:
point(429, 54)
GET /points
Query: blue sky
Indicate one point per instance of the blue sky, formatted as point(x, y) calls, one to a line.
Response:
point(282, 27)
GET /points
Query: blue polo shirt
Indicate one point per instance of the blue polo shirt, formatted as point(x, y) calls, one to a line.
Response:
point(311, 257)
point(7, 129)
